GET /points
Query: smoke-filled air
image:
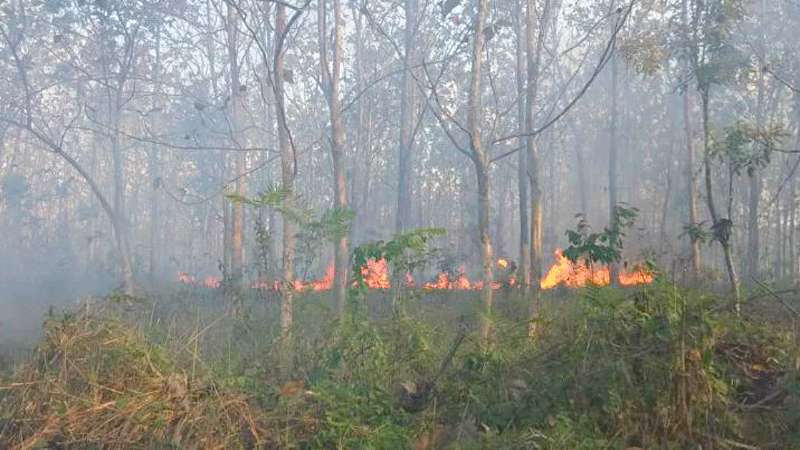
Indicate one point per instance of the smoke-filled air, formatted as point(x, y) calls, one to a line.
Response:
point(399, 224)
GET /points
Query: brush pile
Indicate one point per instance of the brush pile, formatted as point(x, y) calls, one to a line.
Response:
point(96, 382)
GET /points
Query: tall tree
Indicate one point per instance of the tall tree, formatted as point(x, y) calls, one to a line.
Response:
point(535, 44)
point(118, 41)
point(288, 171)
point(235, 100)
point(694, 239)
point(710, 52)
point(522, 157)
point(330, 79)
point(480, 160)
point(407, 96)
point(154, 164)
point(613, 142)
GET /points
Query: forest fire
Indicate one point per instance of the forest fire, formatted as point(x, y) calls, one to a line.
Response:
point(459, 282)
point(579, 274)
point(376, 275)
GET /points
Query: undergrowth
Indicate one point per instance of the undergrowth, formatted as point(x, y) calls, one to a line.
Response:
point(654, 367)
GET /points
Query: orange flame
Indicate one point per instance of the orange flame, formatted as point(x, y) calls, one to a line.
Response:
point(376, 274)
point(579, 274)
point(185, 278)
point(326, 282)
point(212, 282)
point(461, 281)
point(638, 275)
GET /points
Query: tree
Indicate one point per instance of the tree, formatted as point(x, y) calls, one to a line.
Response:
point(480, 160)
point(236, 89)
point(713, 58)
point(694, 238)
point(288, 171)
point(535, 44)
point(613, 143)
point(330, 80)
point(522, 157)
point(407, 103)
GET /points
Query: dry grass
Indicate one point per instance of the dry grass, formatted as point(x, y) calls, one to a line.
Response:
point(97, 382)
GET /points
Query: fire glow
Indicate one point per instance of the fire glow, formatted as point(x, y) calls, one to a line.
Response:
point(376, 275)
point(579, 274)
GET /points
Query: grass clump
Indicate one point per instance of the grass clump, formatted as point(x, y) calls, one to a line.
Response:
point(96, 382)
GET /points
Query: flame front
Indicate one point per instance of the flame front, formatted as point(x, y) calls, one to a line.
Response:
point(638, 275)
point(377, 276)
point(579, 274)
point(573, 275)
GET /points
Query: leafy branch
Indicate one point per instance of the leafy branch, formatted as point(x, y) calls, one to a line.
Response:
point(604, 247)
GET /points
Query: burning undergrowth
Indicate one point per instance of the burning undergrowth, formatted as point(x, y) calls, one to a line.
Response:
point(95, 381)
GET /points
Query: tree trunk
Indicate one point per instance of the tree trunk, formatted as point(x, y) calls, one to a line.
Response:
point(613, 197)
point(780, 240)
point(534, 47)
point(791, 265)
point(331, 82)
point(719, 224)
point(583, 182)
point(694, 243)
point(407, 94)
point(522, 161)
point(237, 213)
point(500, 223)
point(666, 205)
point(756, 186)
point(481, 161)
point(793, 196)
point(486, 249)
point(287, 177)
point(155, 174)
point(119, 218)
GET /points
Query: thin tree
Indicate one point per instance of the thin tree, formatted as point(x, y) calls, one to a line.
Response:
point(535, 44)
point(239, 168)
point(480, 159)
point(407, 95)
point(522, 157)
point(330, 80)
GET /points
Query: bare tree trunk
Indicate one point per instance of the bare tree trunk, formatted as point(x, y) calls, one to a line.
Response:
point(222, 161)
point(287, 177)
point(665, 206)
point(613, 197)
point(535, 43)
point(237, 213)
point(500, 224)
point(119, 218)
point(722, 227)
point(791, 264)
point(583, 182)
point(407, 94)
point(480, 159)
point(756, 186)
point(522, 162)
point(780, 241)
point(331, 82)
point(793, 197)
point(155, 174)
point(694, 242)
point(227, 230)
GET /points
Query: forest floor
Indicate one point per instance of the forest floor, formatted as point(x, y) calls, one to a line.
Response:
point(651, 367)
